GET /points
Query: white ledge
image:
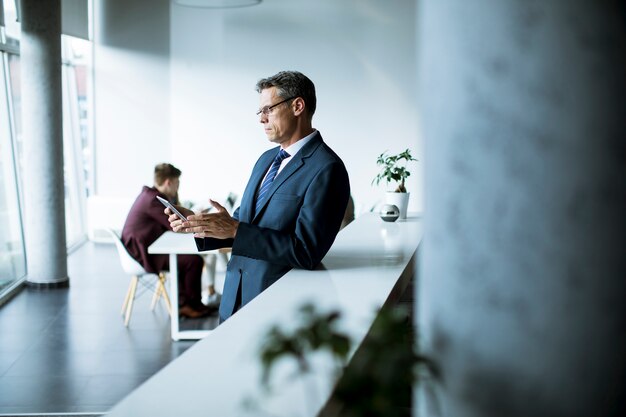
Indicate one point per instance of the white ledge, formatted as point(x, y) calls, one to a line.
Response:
point(369, 264)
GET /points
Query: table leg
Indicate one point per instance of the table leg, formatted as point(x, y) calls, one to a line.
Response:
point(177, 334)
point(174, 294)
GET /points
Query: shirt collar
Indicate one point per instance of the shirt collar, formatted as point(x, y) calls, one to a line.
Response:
point(293, 149)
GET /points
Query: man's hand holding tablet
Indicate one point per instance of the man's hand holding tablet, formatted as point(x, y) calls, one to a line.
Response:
point(218, 224)
point(172, 208)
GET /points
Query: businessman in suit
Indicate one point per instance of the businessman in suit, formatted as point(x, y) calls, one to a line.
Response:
point(293, 205)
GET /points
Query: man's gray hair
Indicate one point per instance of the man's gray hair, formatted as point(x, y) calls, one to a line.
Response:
point(291, 84)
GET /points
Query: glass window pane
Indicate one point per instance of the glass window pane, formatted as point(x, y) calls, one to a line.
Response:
point(73, 225)
point(12, 257)
point(16, 98)
point(76, 141)
point(81, 79)
point(79, 56)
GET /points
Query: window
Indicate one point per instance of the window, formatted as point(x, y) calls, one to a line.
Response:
point(12, 253)
point(76, 139)
point(77, 143)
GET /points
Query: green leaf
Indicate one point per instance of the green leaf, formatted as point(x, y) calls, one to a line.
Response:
point(391, 171)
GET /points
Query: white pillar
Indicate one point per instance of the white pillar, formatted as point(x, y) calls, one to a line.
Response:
point(42, 124)
point(523, 276)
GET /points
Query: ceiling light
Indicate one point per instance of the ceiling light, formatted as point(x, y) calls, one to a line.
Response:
point(216, 4)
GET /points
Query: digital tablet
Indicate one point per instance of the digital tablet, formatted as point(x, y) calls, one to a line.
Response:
point(171, 207)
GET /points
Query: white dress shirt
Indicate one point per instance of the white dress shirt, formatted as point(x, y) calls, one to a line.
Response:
point(292, 151)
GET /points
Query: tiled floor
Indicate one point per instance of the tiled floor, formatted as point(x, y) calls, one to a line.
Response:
point(67, 350)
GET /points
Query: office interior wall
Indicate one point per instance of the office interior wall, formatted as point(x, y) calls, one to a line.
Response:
point(131, 93)
point(359, 53)
point(177, 84)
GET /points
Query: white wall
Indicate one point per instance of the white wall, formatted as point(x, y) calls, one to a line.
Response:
point(131, 93)
point(359, 53)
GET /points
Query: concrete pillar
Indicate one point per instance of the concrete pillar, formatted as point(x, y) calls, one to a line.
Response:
point(523, 274)
point(42, 119)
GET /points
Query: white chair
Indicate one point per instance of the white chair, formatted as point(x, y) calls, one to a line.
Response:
point(139, 274)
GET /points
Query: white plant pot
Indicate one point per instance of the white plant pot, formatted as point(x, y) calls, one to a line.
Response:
point(400, 200)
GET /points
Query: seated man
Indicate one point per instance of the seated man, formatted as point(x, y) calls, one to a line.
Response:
point(146, 222)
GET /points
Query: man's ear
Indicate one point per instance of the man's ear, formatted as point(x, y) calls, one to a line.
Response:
point(167, 184)
point(298, 106)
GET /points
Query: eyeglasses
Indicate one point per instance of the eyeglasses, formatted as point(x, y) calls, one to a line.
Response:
point(268, 109)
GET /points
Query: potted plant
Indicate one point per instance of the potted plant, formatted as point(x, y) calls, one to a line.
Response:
point(393, 170)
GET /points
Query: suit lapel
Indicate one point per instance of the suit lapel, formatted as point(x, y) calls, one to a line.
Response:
point(294, 165)
point(253, 184)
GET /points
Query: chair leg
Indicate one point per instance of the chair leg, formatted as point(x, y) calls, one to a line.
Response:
point(163, 293)
point(129, 310)
point(157, 294)
point(127, 297)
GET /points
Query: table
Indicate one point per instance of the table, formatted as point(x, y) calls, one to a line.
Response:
point(174, 244)
point(367, 267)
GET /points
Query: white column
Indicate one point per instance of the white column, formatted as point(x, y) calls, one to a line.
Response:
point(523, 276)
point(42, 122)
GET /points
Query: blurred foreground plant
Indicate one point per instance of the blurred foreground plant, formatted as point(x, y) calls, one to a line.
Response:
point(378, 380)
point(318, 331)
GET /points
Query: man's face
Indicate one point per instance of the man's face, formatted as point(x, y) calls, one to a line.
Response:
point(280, 123)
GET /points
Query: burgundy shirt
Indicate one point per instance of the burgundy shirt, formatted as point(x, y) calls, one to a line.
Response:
point(144, 224)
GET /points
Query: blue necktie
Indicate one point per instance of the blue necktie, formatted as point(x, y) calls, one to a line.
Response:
point(269, 179)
